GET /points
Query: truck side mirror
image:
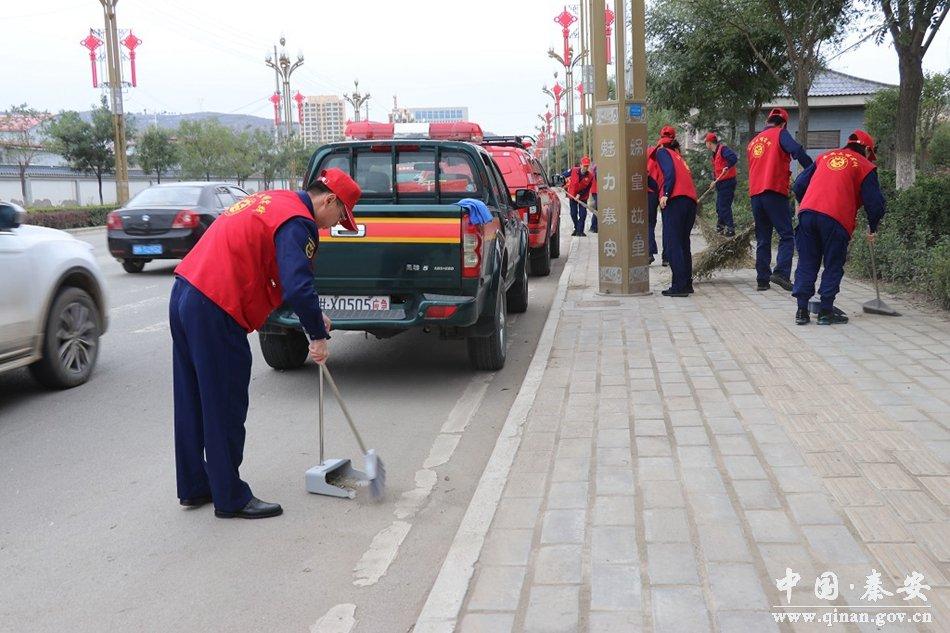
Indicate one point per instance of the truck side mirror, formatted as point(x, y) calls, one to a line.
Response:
point(525, 198)
point(11, 216)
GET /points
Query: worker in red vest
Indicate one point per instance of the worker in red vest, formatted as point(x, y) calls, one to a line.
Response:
point(257, 255)
point(580, 183)
point(770, 154)
point(830, 192)
point(678, 205)
point(724, 174)
point(654, 175)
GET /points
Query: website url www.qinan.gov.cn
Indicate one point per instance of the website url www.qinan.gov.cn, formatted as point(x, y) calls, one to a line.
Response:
point(831, 618)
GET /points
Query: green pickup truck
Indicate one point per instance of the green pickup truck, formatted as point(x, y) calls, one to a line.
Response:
point(416, 260)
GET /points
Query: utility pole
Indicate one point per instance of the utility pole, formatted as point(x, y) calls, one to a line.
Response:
point(620, 127)
point(356, 100)
point(115, 89)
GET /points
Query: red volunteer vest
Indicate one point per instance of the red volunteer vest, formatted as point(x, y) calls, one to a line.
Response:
point(768, 163)
point(235, 262)
point(580, 186)
point(654, 171)
point(683, 186)
point(719, 163)
point(835, 187)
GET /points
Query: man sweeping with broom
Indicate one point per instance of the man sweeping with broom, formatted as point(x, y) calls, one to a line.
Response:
point(256, 255)
point(830, 192)
point(678, 205)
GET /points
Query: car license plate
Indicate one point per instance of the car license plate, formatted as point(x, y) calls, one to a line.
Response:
point(331, 302)
point(146, 249)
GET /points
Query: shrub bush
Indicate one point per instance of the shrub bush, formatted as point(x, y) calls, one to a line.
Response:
point(69, 217)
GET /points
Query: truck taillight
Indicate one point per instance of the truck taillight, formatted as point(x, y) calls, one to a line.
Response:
point(185, 220)
point(471, 249)
point(114, 221)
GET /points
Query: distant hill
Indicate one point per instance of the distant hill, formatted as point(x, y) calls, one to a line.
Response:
point(233, 121)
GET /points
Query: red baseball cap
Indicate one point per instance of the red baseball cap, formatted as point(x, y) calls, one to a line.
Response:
point(346, 189)
point(863, 138)
point(668, 131)
point(712, 138)
point(585, 160)
point(779, 112)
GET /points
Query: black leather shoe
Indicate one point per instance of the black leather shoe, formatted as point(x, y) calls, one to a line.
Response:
point(689, 288)
point(669, 292)
point(801, 316)
point(255, 509)
point(194, 502)
point(665, 262)
point(762, 285)
point(582, 234)
point(831, 317)
point(575, 234)
point(729, 232)
point(593, 230)
point(784, 282)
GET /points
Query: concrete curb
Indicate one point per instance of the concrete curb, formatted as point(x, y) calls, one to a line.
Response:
point(444, 602)
point(85, 229)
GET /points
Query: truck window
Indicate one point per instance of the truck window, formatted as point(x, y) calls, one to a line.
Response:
point(456, 176)
point(415, 173)
point(339, 160)
point(374, 172)
point(498, 183)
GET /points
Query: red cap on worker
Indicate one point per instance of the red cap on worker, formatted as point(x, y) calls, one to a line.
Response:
point(863, 138)
point(585, 160)
point(668, 131)
point(779, 112)
point(346, 189)
point(712, 138)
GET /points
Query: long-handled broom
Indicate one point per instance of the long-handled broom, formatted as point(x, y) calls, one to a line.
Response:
point(876, 306)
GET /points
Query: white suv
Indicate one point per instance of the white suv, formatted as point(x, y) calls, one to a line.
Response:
point(52, 302)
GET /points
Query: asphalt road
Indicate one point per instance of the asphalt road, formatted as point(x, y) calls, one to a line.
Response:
point(91, 534)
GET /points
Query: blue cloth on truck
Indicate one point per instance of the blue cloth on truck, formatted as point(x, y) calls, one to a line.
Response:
point(478, 212)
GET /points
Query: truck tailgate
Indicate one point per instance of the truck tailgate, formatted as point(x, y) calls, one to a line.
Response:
point(398, 248)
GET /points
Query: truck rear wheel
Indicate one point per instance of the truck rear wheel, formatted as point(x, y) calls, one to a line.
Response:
point(488, 353)
point(541, 260)
point(518, 293)
point(284, 350)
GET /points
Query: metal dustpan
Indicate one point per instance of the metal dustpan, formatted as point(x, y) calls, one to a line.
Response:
point(876, 306)
point(333, 477)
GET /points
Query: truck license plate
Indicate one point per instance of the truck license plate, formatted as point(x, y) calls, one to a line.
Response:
point(331, 302)
point(146, 249)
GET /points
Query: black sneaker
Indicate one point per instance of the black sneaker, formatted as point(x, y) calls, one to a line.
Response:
point(593, 230)
point(801, 316)
point(666, 262)
point(669, 292)
point(729, 232)
point(784, 282)
point(652, 258)
point(582, 234)
point(720, 229)
point(689, 288)
point(762, 285)
point(575, 234)
point(832, 317)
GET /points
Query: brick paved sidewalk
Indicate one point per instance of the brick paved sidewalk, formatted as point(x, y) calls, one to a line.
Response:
point(681, 454)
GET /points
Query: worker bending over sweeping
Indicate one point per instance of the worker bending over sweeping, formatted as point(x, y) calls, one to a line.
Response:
point(678, 205)
point(724, 175)
point(829, 193)
point(770, 154)
point(257, 255)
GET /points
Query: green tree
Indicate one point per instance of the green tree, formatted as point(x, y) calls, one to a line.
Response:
point(881, 121)
point(86, 145)
point(706, 69)
point(241, 161)
point(882, 125)
point(21, 143)
point(912, 24)
point(934, 107)
point(155, 151)
point(204, 148)
point(940, 146)
point(266, 156)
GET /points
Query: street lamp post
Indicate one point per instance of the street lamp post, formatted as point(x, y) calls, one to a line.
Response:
point(357, 100)
point(284, 68)
point(569, 64)
point(555, 93)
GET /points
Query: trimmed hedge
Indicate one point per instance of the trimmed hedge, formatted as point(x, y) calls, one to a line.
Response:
point(69, 217)
point(913, 241)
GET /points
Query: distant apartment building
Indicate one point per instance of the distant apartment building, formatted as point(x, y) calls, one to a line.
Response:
point(439, 115)
point(323, 119)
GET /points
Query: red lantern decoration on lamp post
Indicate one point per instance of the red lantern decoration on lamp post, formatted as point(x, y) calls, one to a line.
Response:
point(299, 99)
point(609, 17)
point(558, 91)
point(580, 93)
point(92, 42)
point(565, 18)
point(131, 42)
point(275, 99)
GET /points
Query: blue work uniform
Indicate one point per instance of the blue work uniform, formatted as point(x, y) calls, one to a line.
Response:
point(771, 210)
point(653, 205)
point(726, 191)
point(679, 216)
point(212, 370)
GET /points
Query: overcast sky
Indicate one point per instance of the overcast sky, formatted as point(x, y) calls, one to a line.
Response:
point(208, 55)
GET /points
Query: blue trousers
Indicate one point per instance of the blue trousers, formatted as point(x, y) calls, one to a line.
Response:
point(770, 211)
point(819, 238)
point(578, 216)
point(593, 215)
point(725, 192)
point(653, 203)
point(678, 220)
point(211, 372)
